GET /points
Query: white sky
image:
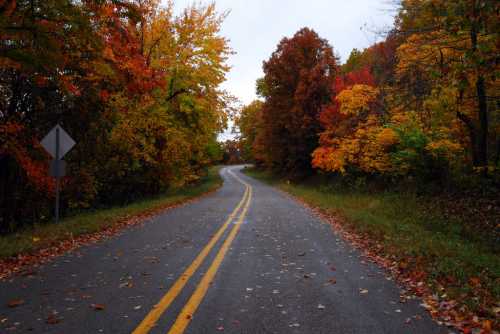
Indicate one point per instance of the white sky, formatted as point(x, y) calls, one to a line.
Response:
point(255, 27)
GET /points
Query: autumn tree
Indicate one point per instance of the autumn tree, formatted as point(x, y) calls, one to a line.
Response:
point(48, 51)
point(231, 152)
point(435, 75)
point(174, 126)
point(249, 125)
point(354, 138)
point(454, 44)
point(296, 85)
point(136, 86)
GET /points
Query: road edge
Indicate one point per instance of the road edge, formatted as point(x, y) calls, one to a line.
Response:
point(26, 263)
point(411, 289)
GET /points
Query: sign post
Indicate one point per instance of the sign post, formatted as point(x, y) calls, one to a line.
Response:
point(58, 179)
point(57, 143)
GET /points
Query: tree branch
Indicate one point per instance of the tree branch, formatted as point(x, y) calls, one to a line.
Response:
point(180, 91)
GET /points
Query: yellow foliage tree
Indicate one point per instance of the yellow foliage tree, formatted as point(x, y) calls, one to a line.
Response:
point(359, 140)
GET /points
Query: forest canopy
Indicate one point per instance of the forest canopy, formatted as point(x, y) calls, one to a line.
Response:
point(423, 102)
point(136, 86)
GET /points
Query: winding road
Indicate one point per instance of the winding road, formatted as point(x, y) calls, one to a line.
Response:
point(245, 259)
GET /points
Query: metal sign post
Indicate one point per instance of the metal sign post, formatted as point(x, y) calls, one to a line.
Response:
point(57, 143)
point(58, 179)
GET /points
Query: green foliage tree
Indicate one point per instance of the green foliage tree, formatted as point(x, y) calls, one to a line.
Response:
point(249, 124)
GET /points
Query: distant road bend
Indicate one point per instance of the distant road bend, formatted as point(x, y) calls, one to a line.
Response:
point(246, 259)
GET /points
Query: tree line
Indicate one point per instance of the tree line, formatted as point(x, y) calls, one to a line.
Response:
point(422, 103)
point(135, 85)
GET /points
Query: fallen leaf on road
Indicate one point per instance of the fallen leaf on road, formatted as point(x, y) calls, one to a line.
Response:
point(15, 303)
point(29, 272)
point(97, 307)
point(426, 306)
point(126, 285)
point(331, 281)
point(52, 320)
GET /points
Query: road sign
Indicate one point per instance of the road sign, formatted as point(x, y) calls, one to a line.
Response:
point(50, 144)
point(57, 142)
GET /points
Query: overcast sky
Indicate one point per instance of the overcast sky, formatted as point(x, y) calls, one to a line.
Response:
point(255, 27)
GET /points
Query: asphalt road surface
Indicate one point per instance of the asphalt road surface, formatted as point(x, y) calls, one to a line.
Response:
point(246, 259)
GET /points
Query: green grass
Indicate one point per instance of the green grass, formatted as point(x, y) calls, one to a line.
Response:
point(408, 230)
point(41, 236)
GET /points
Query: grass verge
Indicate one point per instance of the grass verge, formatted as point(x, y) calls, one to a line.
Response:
point(42, 236)
point(421, 240)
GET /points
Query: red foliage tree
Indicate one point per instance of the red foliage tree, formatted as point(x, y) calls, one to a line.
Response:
point(296, 85)
point(330, 115)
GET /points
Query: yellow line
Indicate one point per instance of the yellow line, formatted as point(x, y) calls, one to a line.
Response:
point(238, 178)
point(150, 320)
point(189, 309)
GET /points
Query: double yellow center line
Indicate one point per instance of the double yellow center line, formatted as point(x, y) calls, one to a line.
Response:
point(194, 301)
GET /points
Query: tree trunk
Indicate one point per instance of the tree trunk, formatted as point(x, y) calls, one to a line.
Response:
point(472, 136)
point(497, 158)
point(483, 122)
point(482, 140)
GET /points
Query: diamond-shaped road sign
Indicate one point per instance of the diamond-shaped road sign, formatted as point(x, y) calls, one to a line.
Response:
point(57, 142)
point(49, 142)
